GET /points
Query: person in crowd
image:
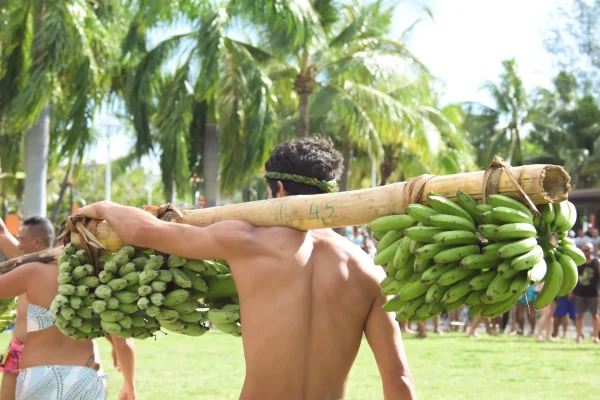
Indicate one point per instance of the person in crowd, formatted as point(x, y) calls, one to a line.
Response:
point(565, 308)
point(595, 240)
point(582, 238)
point(586, 292)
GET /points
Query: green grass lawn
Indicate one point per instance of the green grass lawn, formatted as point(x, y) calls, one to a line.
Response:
point(447, 367)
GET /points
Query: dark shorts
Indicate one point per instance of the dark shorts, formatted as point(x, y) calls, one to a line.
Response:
point(586, 304)
point(566, 307)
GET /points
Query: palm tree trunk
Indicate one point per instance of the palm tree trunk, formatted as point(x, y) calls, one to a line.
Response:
point(246, 194)
point(36, 165)
point(303, 115)
point(211, 162)
point(345, 178)
point(63, 189)
point(513, 143)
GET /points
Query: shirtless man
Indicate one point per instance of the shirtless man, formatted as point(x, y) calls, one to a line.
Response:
point(36, 234)
point(307, 297)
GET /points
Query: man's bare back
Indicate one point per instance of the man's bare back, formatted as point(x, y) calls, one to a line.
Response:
point(305, 309)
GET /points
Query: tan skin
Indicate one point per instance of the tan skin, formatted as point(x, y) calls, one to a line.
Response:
point(50, 346)
point(12, 247)
point(307, 299)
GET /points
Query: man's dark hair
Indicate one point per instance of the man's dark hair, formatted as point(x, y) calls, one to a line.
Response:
point(41, 227)
point(312, 157)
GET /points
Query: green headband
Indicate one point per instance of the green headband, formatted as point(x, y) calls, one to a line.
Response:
point(326, 186)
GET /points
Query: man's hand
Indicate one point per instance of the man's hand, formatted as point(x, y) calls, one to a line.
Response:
point(93, 210)
point(127, 393)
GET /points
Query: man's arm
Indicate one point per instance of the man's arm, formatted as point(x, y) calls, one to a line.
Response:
point(9, 245)
point(140, 228)
point(383, 334)
point(125, 352)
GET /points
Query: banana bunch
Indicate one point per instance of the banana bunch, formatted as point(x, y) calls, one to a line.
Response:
point(136, 293)
point(442, 256)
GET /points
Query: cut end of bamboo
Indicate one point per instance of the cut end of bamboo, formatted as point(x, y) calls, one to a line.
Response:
point(555, 183)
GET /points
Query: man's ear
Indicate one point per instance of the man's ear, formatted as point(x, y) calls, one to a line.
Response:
point(281, 192)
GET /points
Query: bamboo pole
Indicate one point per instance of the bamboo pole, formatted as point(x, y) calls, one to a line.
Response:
point(542, 183)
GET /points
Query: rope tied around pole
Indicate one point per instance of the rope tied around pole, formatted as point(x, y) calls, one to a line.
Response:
point(414, 188)
point(491, 182)
point(86, 229)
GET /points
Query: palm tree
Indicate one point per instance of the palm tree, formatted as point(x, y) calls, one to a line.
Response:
point(498, 130)
point(42, 69)
point(219, 95)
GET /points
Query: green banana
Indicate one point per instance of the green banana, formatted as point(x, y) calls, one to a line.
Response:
point(120, 259)
point(451, 306)
point(62, 300)
point(79, 272)
point(166, 315)
point(458, 290)
point(89, 281)
point(562, 214)
point(446, 206)
point(154, 263)
point(528, 260)
point(145, 290)
point(570, 274)
point(469, 205)
point(407, 270)
point(482, 281)
point(133, 288)
point(196, 316)
point(455, 238)
point(103, 291)
point(423, 234)
point(386, 281)
point(574, 253)
point(176, 262)
point(165, 276)
point(195, 265)
point(152, 310)
point(393, 305)
point(391, 222)
point(421, 264)
point(180, 278)
point(105, 276)
point(436, 308)
point(217, 316)
point(138, 320)
point(143, 303)
point(158, 286)
point(435, 293)
point(572, 216)
point(389, 238)
point(433, 273)
point(420, 212)
point(498, 200)
point(128, 251)
point(233, 329)
point(411, 306)
point(111, 266)
point(429, 251)
point(547, 212)
point(514, 231)
point(69, 249)
point(505, 269)
point(112, 303)
point(500, 307)
point(480, 261)
point(381, 258)
point(127, 269)
point(491, 250)
point(488, 218)
point(82, 291)
point(158, 299)
point(117, 284)
point(414, 245)
point(520, 283)
point(147, 276)
point(89, 299)
point(82, 256)
point(454, 275)
point(74, 261)
point(64, 277)
point(197, 282)
point(128, 308)
point(126, 297)
point(111, 327)
point(191, 305)
point(413, 290)
point(455, 254)
point(517, 248)
point(65, 267)
point(537, 273)
point(452, 222)
point(498, 287)
point(75, 302)
point(176, 297)
point(422, 313)
point(476, 310)
point(132, 278)
point(474, 297)
point(140, 263)
point(126, 322)
point(67, 313)
point(510, 215)
point(111, 315)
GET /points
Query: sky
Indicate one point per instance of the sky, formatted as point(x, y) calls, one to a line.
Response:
point(463, 46)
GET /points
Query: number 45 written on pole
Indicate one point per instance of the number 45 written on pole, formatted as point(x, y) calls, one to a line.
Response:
point(314, 210)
